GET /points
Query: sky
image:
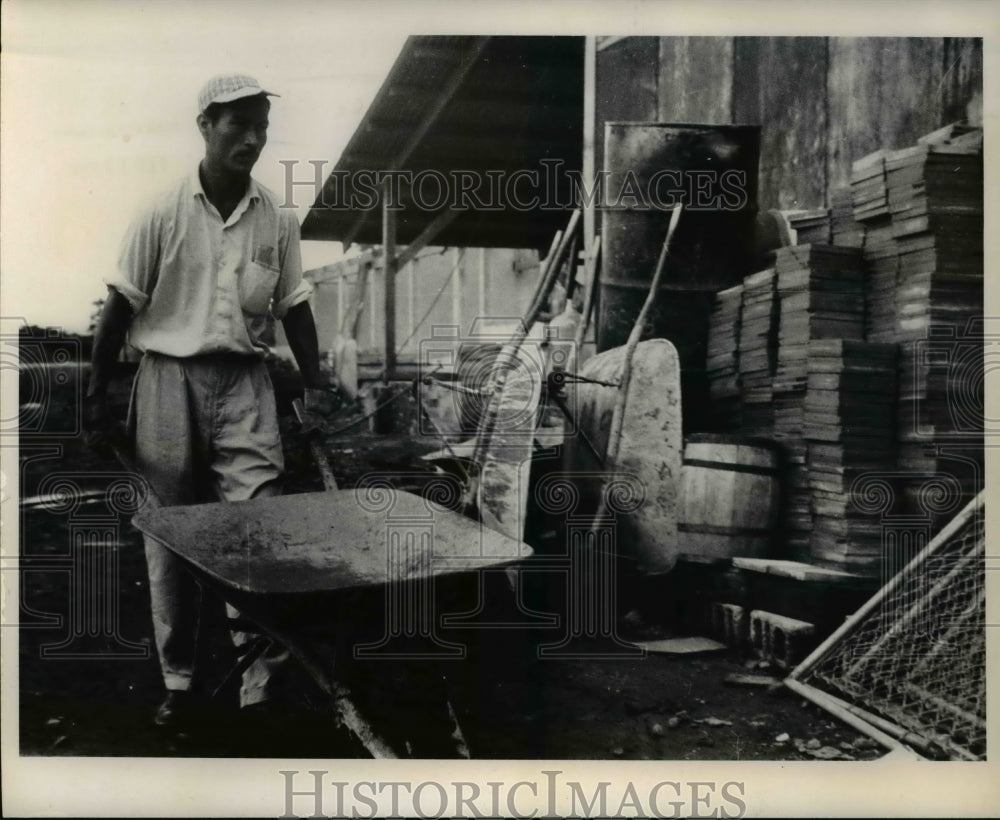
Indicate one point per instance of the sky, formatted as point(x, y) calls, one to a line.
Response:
point(99, 105)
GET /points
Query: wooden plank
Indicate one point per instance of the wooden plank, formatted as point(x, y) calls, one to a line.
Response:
point(913, 94)
point(427, 235)
point(681, 646)
point(626, 86)
point(883, 92)
point(962, 80)
point(795, 570)
point(339, 269)
point(696, 80)
point(780, 83)
point(738, 679)
point(746, 80)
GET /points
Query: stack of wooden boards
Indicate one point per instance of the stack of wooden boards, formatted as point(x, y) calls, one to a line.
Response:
point(820, 290)
point(935, 203)
point(850, 419)
point(844, 229)
point(892, 272)
point(812, 227)
point(722, 363)
point(758, 351)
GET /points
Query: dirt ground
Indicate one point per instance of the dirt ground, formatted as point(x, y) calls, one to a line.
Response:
point(95, 694)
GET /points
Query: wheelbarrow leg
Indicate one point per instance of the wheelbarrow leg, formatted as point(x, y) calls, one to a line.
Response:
point(257, 647)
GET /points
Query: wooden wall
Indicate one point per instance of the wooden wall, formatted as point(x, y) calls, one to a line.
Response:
point(822, 101)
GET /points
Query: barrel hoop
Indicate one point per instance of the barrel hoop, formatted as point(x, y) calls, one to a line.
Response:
point(710, 529)
point(729, 467)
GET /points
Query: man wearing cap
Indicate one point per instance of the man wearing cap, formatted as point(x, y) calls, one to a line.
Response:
point(197, 274)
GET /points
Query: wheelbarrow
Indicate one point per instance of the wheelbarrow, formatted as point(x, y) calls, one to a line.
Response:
point(353, 583)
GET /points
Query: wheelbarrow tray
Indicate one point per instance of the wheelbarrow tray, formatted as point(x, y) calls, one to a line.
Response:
point(328, 541)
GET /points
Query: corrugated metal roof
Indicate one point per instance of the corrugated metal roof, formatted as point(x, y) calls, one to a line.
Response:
point(475, 104)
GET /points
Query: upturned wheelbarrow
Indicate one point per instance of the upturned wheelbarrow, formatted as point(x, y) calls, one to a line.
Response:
point(354, 583)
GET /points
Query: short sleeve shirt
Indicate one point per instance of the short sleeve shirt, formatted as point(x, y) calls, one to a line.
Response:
point(198, 284)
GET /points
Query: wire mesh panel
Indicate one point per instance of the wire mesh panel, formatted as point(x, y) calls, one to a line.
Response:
point(915, 654)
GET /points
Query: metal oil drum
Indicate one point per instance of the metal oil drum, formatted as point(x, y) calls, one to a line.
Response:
point(712, 170)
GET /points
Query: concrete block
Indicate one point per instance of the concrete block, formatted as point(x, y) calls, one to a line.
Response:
point(729, 624)
point(780, 640)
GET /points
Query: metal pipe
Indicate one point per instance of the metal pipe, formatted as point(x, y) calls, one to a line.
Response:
point(845, 712)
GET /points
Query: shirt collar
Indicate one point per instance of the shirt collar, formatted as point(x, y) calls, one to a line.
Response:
point(194, 181)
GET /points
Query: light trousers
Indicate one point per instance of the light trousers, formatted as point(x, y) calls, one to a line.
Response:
point(205, 429)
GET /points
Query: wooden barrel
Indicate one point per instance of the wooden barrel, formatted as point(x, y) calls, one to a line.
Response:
point(730, 497)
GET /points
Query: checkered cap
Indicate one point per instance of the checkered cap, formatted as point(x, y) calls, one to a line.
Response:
point(228, 87)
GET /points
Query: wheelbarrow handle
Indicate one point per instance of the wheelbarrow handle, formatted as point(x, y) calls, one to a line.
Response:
point(322, 464)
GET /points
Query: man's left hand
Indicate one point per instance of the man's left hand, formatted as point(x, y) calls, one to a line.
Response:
point(318, 404)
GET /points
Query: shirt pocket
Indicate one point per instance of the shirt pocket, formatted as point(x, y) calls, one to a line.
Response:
point(257, 286)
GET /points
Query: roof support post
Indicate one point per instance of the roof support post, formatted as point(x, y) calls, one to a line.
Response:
point(390, 266)
point(481, 304)
point(457, 264)
point(591, 241)
point(589, 138)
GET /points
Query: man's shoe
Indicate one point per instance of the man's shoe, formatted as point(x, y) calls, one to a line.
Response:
point(176, 711)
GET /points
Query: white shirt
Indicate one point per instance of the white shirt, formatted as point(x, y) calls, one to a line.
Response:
point(200, 285)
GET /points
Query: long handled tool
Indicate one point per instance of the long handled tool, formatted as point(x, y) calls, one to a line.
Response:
point(507, 359)
point(591, 269)
point(613, 448)
point(615, 436)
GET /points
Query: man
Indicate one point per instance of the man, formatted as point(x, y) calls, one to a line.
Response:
point(198, 273)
